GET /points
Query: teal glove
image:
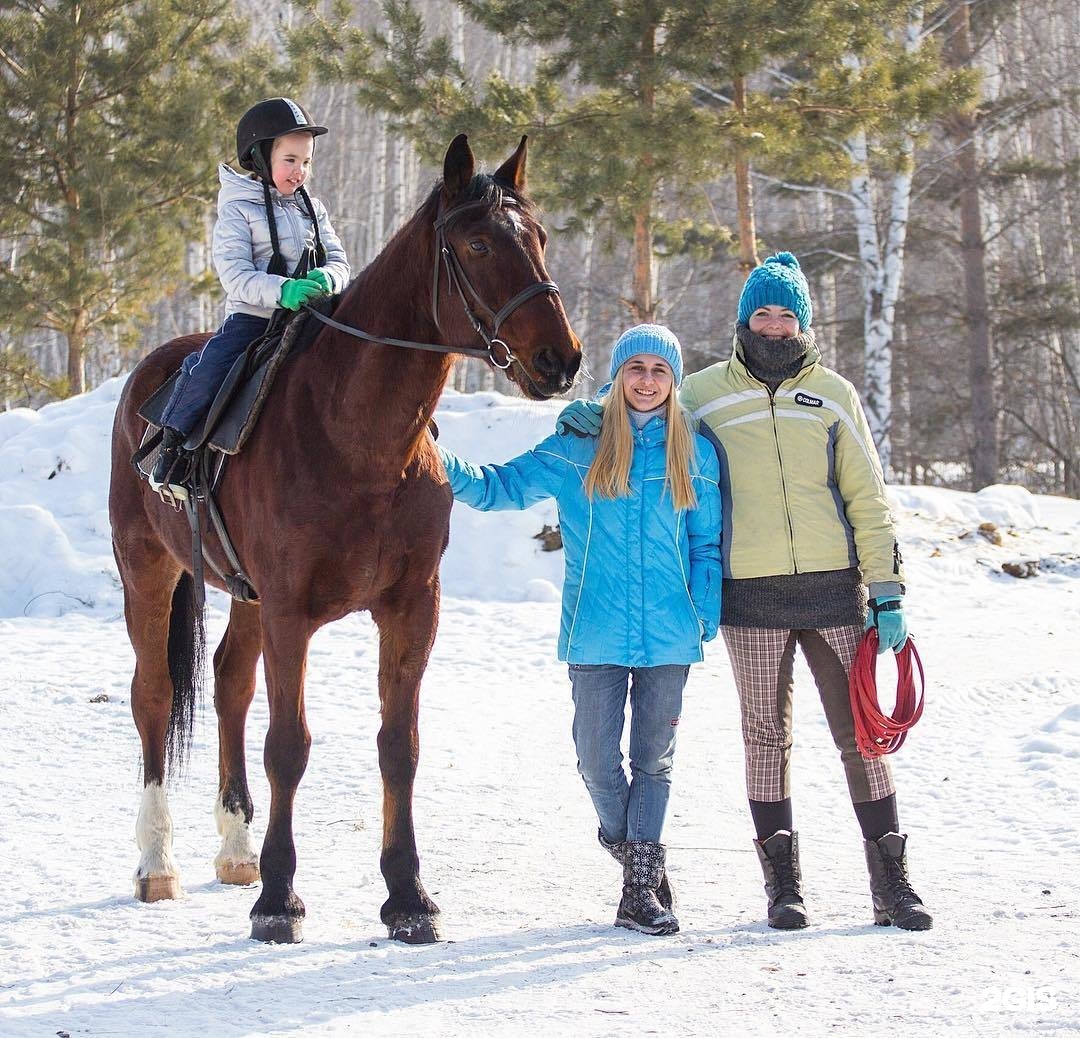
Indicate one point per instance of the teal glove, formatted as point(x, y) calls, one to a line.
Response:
point(297, 291)
point(580, 417)
point(319, 275)
point(887, 615)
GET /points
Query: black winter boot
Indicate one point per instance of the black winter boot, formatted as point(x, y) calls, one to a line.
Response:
point(779, 857)
point(639, 908)
point(894, 901)
point(617, 850)
point(169, 469)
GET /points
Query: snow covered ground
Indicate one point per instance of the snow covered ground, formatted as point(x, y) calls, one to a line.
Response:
point(988, 788)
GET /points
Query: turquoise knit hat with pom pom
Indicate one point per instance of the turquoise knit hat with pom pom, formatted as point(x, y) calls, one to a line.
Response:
point(648, 338)
point(779, 281)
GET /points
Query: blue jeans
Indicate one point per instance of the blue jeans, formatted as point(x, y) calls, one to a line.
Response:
point(202, 373)
point(634, 809)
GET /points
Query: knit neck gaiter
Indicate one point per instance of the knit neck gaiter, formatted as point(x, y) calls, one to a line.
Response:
point(773, 360)
point(641, 418)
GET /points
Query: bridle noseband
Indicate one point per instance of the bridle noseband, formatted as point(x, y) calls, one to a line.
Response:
point(495, 350)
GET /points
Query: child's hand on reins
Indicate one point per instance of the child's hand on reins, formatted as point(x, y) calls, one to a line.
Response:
point(297, 291)
point(319, 275)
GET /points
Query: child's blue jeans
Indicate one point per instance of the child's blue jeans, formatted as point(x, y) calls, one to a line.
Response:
point(631, 809)
point(202, 373)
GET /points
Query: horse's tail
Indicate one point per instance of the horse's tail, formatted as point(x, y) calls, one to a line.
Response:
point(187, 654)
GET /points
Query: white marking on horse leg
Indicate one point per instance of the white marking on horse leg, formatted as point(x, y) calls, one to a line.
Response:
point(237, 861)
point(153, 834)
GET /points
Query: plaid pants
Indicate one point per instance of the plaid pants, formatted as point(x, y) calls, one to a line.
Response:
point(763, 660)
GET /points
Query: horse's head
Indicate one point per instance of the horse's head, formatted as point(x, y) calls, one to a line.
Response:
point(493, 283)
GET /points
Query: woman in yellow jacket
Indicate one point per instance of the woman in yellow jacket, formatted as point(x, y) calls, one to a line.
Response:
point(807, 539)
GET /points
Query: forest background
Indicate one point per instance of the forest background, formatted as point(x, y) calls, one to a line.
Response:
point(921, 160)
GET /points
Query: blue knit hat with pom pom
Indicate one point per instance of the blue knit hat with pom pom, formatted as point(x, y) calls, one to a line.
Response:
point(648, 338)
point(779, 281)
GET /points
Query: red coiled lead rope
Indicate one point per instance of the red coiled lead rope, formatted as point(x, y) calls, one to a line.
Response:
point(876, 734)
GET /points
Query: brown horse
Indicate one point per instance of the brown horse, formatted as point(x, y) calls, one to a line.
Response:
point(338, 503)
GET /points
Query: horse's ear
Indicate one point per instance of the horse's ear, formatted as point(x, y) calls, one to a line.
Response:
point(512, 171)
point(459, 166)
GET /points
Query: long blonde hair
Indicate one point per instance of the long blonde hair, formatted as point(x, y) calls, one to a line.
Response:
point(609, 473)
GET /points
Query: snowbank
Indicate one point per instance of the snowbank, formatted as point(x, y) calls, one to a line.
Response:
point(56, 555)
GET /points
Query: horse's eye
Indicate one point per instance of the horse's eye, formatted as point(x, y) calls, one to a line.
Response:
point(478, 246)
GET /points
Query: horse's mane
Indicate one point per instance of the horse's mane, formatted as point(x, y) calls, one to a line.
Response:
point(482, 188)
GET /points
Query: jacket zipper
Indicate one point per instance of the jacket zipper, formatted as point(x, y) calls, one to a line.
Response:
point(783, 480)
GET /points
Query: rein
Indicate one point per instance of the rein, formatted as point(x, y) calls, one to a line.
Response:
point(875, 733)
point(495, 351)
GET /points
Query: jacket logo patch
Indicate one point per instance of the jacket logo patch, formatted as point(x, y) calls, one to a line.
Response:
point(808, 401)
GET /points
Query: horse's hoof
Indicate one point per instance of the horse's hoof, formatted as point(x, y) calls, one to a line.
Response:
point(238, 873)
point(277, 929)
point(157, 888)
point(416, 929)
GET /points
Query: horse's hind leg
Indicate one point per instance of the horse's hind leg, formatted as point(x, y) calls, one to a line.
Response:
point(148, 604)
point(234, 688)
point(406, 632)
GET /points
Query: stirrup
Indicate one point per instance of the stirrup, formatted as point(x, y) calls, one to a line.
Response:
point(171, 493)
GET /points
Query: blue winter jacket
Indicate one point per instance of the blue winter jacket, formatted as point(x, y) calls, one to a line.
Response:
point(642, 585)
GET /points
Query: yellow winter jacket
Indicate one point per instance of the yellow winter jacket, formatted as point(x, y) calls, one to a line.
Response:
point(802, 485)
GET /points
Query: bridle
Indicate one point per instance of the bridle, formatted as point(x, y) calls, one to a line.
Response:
point(495, 350)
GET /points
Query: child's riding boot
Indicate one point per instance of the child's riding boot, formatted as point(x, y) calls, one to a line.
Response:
point(894, 901)
point(639, 909)
point(168, 466)
point(779, 857)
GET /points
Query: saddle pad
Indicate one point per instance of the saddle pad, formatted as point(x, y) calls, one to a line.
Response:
point(234, 413)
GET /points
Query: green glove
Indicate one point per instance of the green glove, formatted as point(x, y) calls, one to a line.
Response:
point(320, 275)
point(297, 291)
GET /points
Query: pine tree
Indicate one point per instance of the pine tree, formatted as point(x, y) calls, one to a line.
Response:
point(637, 105)
point(614, 125)
point(117, 113)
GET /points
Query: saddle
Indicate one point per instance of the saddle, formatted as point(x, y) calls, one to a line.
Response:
point(228, 425)
point(239, 401)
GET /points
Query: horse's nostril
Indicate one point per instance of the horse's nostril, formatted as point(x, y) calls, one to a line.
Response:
point(550, 366)
point(547, 364)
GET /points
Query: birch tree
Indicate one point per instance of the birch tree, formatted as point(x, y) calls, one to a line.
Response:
point(881, 259)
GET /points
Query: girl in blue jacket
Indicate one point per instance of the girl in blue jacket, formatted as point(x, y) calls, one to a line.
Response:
point(639, 509)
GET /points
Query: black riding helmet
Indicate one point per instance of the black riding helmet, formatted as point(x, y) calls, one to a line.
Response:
point(262, 124)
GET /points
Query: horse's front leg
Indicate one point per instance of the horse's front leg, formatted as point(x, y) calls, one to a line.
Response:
point(278, 914)
point(234, 688)
point(406, 631)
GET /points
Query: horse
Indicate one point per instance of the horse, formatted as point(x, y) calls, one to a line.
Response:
point(338, 503)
